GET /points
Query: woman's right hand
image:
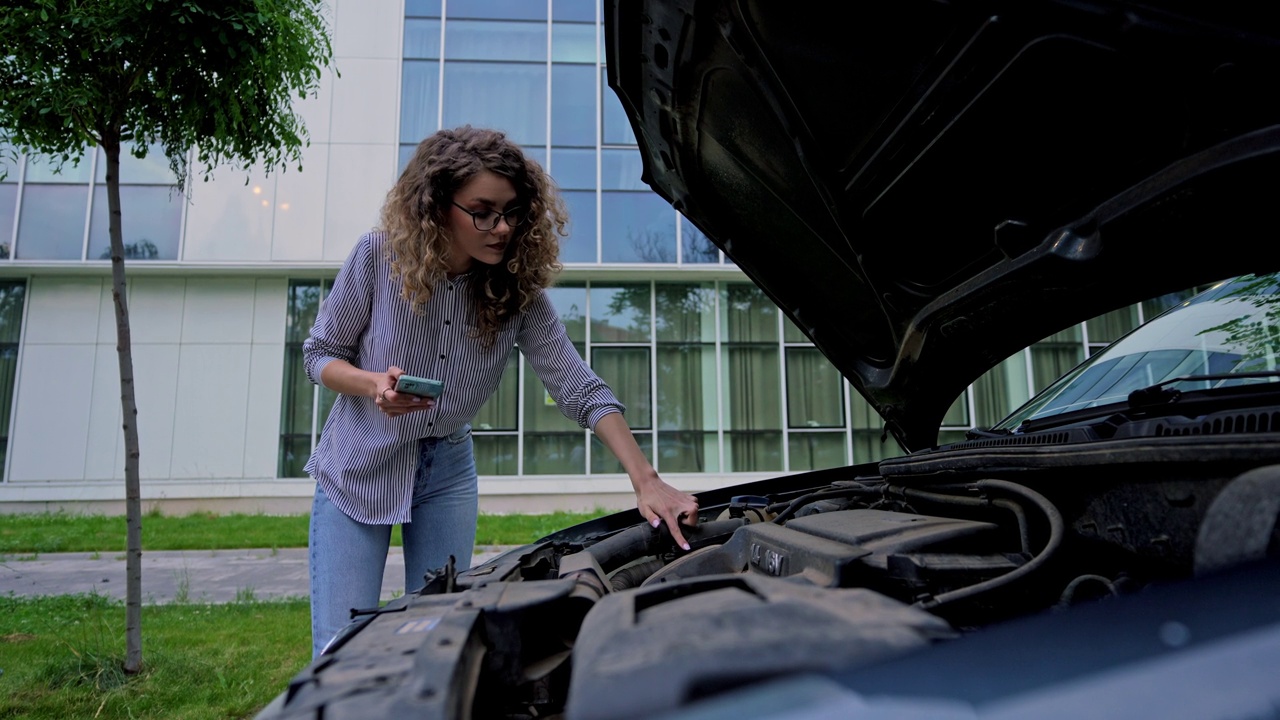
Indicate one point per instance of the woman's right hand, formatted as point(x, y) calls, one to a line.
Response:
point(392, 403)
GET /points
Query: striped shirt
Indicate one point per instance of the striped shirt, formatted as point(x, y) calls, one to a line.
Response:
point(366, 461)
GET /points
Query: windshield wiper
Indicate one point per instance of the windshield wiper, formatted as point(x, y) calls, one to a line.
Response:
point(977, 433)
point(1152, 396)
point(1159, 394)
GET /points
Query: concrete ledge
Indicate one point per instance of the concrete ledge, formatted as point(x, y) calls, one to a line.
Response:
point(272, 496)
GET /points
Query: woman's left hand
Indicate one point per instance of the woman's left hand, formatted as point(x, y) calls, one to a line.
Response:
point(660, 503)
point(392, 403)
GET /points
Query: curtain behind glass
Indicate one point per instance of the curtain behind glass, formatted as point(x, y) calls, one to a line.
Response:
point(501, 411)
point(1055, 355)
point(12, 297)
point(1109, 327)
point(1001, 390)
point(603, 462)
point(688, 415)
point(816, 450)
point(553, 444)
point(298, 400)
point(752, 379)
point(814, 390)
point(497, 454)
point(419, 101)
point(870, 442)
point(753, 384)
point(496, 425)
point(626, 370)
point(1153, 307)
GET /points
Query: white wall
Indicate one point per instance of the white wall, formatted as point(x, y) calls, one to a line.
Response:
point(208, 354)
point(316, 214)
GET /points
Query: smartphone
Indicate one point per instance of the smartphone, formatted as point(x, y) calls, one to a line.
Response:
point(422, 387)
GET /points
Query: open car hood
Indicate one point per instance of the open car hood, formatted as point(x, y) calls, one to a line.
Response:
point(927, 187)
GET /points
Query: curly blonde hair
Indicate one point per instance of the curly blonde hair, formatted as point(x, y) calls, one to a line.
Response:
point(414, 218)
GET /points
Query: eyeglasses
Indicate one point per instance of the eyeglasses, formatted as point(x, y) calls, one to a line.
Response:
point(486, 220)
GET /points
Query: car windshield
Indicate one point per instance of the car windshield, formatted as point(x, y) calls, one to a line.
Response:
point(1229, 330)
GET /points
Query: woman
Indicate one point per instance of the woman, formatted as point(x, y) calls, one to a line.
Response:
point(453, 278)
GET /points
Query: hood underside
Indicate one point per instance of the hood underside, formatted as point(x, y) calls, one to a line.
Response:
point(927, 187)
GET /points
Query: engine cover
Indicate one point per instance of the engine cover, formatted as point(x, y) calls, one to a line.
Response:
point(723, 631)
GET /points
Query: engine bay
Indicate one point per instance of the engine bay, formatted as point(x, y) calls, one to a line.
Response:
point(836, 571)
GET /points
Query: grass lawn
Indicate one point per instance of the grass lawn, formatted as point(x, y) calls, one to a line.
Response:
point(65, 532)
point(61, 658)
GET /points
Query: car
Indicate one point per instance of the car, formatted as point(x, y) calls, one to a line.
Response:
point(925, 188)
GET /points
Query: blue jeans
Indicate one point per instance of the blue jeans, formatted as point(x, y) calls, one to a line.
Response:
point(348, 557)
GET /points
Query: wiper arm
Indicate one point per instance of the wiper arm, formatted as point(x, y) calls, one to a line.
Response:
point(1159, 394)
point(977, 433)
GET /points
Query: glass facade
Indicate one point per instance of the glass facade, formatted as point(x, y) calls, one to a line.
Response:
point(713, 377)
point(59, 212)
point(540, 78)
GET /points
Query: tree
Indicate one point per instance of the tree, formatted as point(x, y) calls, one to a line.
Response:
point(211, 80)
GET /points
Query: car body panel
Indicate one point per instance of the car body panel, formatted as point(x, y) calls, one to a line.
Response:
point(927, 187)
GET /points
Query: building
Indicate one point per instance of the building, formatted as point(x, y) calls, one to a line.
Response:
point(225, 282)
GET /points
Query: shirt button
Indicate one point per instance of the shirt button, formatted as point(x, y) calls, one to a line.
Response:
point(430, 424)
point(446, 322)
point(441, 357)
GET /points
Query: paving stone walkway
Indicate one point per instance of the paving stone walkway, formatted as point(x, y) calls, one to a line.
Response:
point(203, 576)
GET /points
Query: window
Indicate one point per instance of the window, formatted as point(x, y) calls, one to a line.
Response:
point(54, 202)
point(496, 426)
point(53, 205)
point(687, 407)
point(483, 94)
point(1000, 390)
point(419, 103)
point(495, 9)
point(151, 220)
point(573, 42)
point(1109, 327)
point(12, 298)
point(573, 105)
point(871, 443)
point(1055, 355)
point(752, 397)
point(8, 213)
point(8, 199)
point(615, 127)
point(695, 247)
point(554, 444)
point(621, 328)
point(304, 406)
point(815, 411)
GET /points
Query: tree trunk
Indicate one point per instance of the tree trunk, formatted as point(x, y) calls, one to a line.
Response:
point(129, 408)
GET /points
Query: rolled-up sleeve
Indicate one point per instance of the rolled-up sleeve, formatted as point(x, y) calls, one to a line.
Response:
point(344, 313)
point(579, 393)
